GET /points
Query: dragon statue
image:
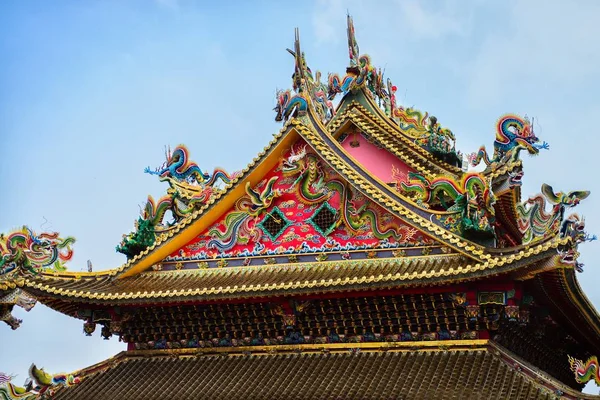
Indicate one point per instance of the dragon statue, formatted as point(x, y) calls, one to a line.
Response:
point(42, 385)
point(289, 105)
point(189, 189)
point(240, 224)
point(361, 72)
point(313, 187)
point(573, 227)
point(365, 75)
point(15, 297)
point(308, 88)
point(179, 168)
point(424, 129)
point(533, 220)
point(512, 132)
point(470, 196)
point(585, 371)
point(309, 182)
point(24, 250)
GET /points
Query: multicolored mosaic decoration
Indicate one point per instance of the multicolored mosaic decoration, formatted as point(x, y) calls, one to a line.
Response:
point(301, 206)
point(585, 371)
point(24, 249)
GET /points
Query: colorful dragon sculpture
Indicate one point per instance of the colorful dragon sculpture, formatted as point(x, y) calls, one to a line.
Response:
point(312, 187)
point(42, 385)
point(366, 75)
point(30, 252)
point(179, 168)
point(424, 129)
point(240, 224)
point(533, 220)
point(512, 132)
point(189, 189)
point(289, 105)
point(470, 196)
point(585, 371)
point(573, 227)
point(308, 88)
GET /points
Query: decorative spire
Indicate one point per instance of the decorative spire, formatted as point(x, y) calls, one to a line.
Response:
point(302, 77)
point(353, 51)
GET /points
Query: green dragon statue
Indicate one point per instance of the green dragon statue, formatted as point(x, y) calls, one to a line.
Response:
point(470, 196)
point(535, 223)
point(26, 251)
point(189, 189)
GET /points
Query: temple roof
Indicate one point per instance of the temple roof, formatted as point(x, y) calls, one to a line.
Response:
point(424, 370)
point(285, 278)
point(359, 109)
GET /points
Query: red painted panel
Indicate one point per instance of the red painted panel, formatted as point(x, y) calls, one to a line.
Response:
point(377, 161)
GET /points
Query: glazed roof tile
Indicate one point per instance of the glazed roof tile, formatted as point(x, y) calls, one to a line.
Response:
point(473, 370)
point(278, 279)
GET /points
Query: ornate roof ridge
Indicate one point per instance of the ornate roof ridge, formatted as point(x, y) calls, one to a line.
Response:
point(282, 276)
point(418, 158)
point(186, 222)
point(383, 121)
point(374, 189)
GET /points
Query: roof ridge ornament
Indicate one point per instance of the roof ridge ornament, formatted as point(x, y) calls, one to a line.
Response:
point(27, 251)
point(353, 50)
point(585, 371)
point(190, 188)
point(513, 134)
point(308, 88)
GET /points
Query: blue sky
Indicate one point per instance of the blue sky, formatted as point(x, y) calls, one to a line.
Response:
point(91, 92)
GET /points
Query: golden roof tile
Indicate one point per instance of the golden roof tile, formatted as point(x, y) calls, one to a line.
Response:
point(276, 279)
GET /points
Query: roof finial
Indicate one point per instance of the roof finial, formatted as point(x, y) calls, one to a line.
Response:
point(353, 51)
point(302, 74)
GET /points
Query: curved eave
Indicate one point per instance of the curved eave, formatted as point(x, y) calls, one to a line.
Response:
point(559, 290)
point(201, 219)
point(231, 283)
point(353, 171)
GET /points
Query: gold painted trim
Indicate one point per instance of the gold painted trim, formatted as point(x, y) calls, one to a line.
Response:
point(453, 272)
point(201, 219)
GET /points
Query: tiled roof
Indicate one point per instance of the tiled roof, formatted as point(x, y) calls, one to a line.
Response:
point(476, 371)
point(232, 282)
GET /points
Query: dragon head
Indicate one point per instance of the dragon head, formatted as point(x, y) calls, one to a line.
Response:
point(47, 383)
point(10, 320)
point(568, 256)
point(574, 227)
point(515, 178)
point(294, 163)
